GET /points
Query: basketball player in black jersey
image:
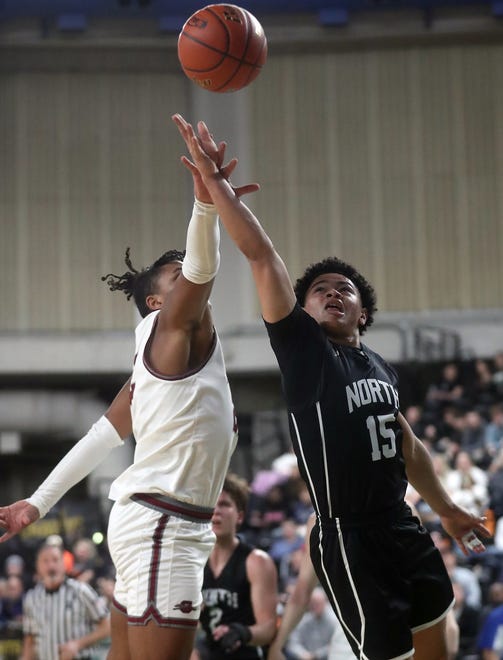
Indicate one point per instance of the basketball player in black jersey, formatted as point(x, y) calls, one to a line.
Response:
point(240, 590)
point(382, 573)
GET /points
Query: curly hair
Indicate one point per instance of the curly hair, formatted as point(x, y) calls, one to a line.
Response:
point(335, 265)
point(141, 283)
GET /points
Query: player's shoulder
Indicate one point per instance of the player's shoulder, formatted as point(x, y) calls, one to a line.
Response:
point(258, 562)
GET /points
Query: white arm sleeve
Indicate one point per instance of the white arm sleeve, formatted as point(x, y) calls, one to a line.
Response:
point(82, 458)
point(202, 256)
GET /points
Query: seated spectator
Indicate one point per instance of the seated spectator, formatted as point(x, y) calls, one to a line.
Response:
point(495, 494)
point(449, 390)
point(473, 438)
point(87, 562)
point(467, 484)
point(11, 604)
point(482, 388)
point(493, 438)
point(281, 548)
point(301, 507)
point(311, 638)
point(498, 373)
point(267, 513)
point(413, 414)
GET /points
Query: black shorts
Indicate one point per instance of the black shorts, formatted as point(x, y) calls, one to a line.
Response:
point(384, 578)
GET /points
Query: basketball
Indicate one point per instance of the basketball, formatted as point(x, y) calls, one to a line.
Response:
point(222, 48)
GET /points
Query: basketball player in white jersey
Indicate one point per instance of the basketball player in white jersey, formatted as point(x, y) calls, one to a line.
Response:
point(178, 405)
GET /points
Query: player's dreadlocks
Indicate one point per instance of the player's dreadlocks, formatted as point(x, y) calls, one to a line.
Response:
point(335, 265)
point(141, 283)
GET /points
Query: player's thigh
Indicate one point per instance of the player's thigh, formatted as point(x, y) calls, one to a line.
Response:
point(153, 642)
point(119, 649)
point(431, 643)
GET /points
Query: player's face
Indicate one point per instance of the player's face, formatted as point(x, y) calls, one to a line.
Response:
point(226, 516)
point(334, 302)
point(164, 284)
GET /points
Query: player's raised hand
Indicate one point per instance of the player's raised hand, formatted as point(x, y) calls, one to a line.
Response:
point(465, 528)
point(16, 517)
point(207, 157)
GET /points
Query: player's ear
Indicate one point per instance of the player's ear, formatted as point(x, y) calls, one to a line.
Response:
point(154, 301)
point(241, 517)
point(363, 318)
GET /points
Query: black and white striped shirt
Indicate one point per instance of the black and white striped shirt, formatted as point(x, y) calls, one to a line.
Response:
point(56, 617)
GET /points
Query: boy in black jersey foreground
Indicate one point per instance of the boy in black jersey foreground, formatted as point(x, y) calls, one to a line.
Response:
point(240, 587)
point(382, 573)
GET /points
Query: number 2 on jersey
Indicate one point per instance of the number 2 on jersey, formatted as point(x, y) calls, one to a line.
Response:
point(382, 437)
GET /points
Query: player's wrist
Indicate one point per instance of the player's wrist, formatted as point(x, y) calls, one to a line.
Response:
point(237, 633)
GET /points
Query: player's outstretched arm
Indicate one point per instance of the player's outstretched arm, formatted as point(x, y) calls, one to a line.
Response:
point(463, 526)
point(82, 458)
point(273, 283)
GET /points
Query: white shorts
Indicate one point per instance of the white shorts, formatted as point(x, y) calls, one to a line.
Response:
point(159, 560)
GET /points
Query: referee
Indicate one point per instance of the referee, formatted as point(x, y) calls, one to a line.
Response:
point(62, 618)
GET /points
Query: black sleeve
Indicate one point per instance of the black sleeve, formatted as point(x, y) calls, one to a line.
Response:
point(299, 345)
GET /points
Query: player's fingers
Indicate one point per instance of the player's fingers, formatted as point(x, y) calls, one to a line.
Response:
point(189, 165)
point(228, 169)
point(221, 153)
point(246, 190)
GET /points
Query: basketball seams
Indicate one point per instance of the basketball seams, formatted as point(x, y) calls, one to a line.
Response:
point(212, 48)
point(241, 60)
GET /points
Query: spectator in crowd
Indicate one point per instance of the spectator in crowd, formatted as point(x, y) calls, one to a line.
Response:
point(311, 638)
point(495, 497)
point(68, 558)
point(467, 484)
point(490, 640)
point(449, 390)
point(473, 438)
point(413, 414)
point(286, 542)
point(240, 591)
point(498, 373)
point(63, 618)
point(11, 604)
point(493, 437)
point(88, 564)
point(464, 576)
point(301, 507)
point(482, 389)
point(451, 426)
point(467, 618)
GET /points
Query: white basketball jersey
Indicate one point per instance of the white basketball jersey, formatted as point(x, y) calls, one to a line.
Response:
point(184, 429)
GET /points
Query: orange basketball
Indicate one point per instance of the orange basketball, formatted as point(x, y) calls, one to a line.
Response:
point(222, 48)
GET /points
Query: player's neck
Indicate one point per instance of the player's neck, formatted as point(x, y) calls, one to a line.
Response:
point(222, 550)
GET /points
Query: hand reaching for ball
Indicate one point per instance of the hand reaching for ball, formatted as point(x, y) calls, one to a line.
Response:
point(207, 159)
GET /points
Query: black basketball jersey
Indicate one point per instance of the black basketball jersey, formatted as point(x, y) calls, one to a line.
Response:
point(343, 406)
point(227, 599)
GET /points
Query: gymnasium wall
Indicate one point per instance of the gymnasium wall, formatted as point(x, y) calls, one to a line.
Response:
point(389, 157)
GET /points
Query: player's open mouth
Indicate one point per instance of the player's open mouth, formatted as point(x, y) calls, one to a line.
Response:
point(334, 308)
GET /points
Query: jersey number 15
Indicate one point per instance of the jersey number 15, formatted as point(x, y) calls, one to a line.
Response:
point(382, 437)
